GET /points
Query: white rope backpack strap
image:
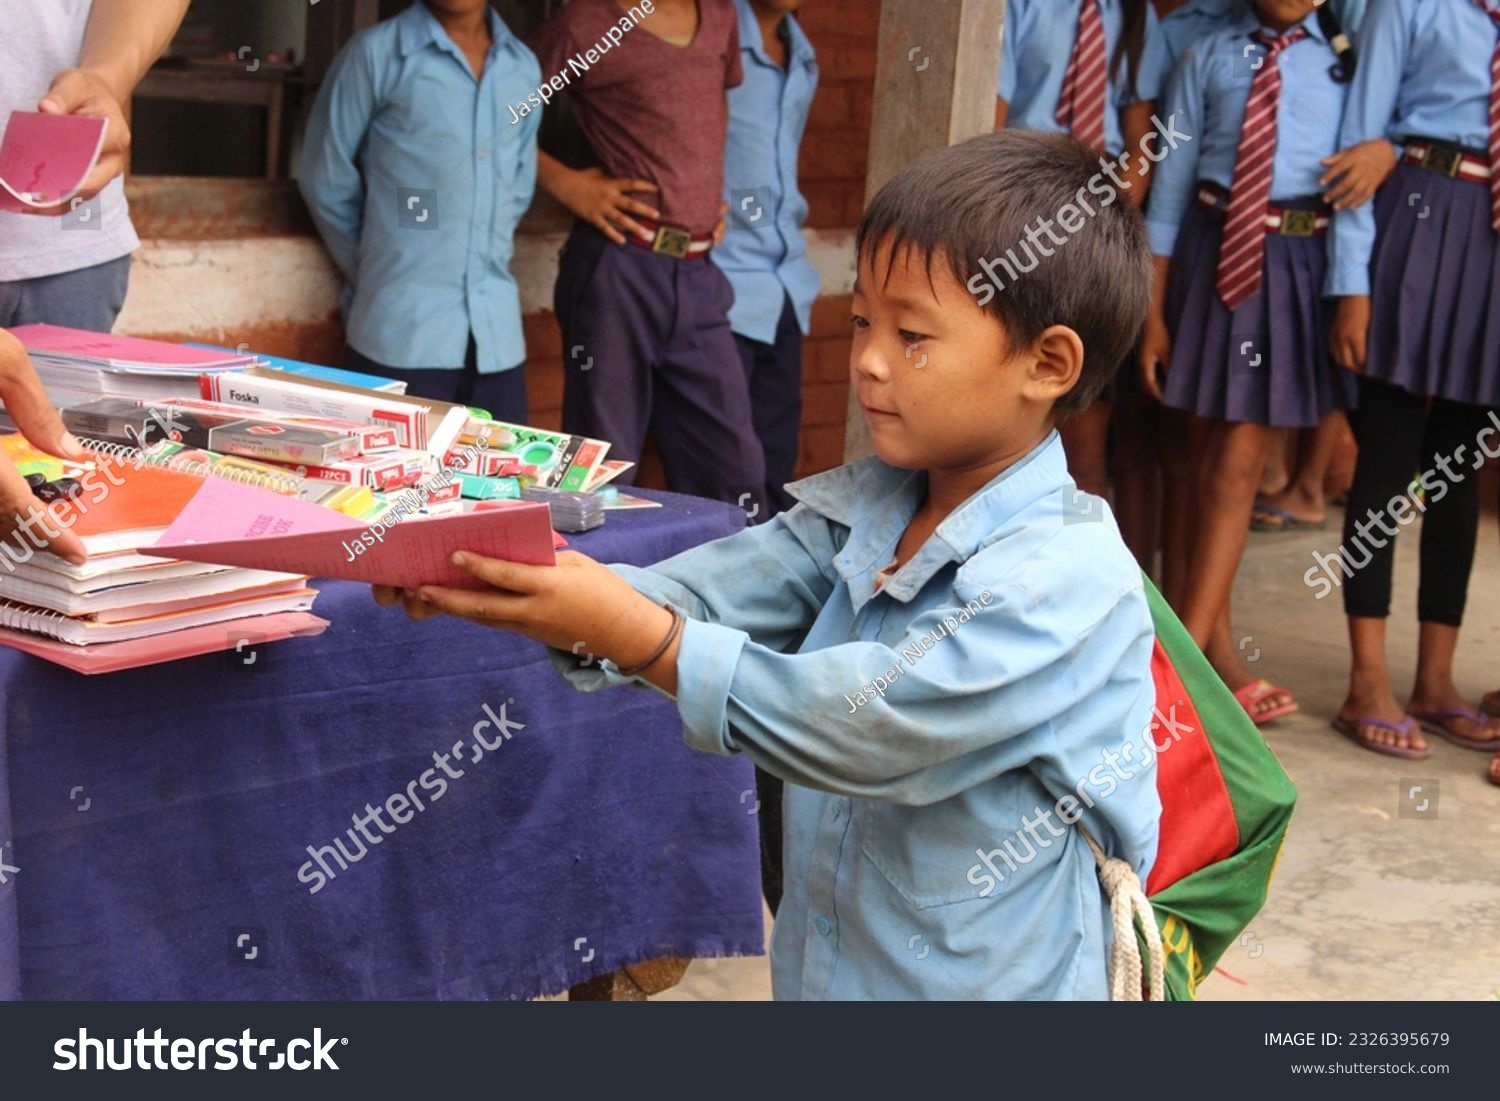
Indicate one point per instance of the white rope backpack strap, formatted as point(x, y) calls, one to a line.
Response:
point(1127, 902)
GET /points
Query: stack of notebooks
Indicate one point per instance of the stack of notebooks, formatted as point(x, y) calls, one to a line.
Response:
point(122, 608)
point(77, 366)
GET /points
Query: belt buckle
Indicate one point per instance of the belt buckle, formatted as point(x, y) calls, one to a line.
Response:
point(1447, 161)
point(1299, 223)
point(672, 242)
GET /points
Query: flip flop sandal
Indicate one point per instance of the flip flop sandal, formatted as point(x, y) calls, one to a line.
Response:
point(1288, 521)
point(1436, 723)
point(1349, 728)
point(1251, 694)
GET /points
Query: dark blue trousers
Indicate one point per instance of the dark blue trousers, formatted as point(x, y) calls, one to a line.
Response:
point(502, 395)
point(774, 374)
point(647, 346)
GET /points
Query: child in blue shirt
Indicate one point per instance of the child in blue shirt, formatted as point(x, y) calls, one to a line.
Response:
point(943, 654)
point(417, 178)
point(764, 255)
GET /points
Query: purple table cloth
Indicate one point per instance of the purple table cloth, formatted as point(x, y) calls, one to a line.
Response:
point(155, 825)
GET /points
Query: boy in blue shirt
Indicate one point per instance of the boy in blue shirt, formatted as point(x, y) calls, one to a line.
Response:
point(764, 254)
point(938, 649)
point(416, 178)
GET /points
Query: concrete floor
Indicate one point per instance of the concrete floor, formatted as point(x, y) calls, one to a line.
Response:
point(1372, 900)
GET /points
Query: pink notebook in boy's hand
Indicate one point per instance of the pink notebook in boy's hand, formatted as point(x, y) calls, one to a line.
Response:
point(238, 525)
point(45, 159)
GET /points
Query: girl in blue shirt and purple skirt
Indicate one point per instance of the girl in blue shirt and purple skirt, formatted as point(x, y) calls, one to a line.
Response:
point(1418, 278)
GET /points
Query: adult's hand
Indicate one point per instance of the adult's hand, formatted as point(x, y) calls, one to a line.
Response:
point(24, 399)
point(81, 92)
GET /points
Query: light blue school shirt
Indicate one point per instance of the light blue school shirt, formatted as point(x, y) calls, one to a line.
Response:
point(400, 130)
point(767, 116)
point(1424, 71)
point(1208, 95)
point(1034, 55)
point(982, 722)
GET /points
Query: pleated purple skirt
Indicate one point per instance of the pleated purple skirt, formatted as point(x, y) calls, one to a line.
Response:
point(1435, 288)
point(1266, 362)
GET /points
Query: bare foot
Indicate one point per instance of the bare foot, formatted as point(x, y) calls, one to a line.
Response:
point(1231, 667)
point(1490, 705)
point(1495, 770)
point(1457, 725)
point(1378, 705)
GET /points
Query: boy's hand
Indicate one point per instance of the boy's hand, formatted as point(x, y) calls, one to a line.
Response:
point(1351, 332)
point(577, 605)
point(604, 202)
point(1359, 170)
point(1155, 353)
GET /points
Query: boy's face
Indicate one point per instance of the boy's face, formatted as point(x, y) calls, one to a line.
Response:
point(456, 7)
point(934, 374)
point(1282, 14)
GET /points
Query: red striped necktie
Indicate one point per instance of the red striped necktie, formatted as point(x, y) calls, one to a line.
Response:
point(1494, 119)
point(1242, 254)
point(1085, 91)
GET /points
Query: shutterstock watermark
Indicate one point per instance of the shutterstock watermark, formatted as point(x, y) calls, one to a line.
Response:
point(399, 805)
point(1331, 569)
point(1105, 186)
point(1104, 779)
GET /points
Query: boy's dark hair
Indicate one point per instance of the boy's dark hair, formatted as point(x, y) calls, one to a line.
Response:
point(974, 202)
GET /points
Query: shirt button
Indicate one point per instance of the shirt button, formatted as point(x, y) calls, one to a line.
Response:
point(823, 926)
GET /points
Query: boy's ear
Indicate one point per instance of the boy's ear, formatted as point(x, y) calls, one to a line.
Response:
point(1058, 364)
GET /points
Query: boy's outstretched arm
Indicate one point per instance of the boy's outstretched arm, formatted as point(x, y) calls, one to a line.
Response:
point(1006, 677)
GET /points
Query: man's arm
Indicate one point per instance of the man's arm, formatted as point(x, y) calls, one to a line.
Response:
point(123, 39)
point(332, 183)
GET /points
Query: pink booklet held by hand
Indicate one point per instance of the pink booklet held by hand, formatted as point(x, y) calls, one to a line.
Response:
point(239, 525)
point(45, 159)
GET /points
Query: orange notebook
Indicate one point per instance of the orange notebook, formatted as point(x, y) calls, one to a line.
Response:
point(123, 502)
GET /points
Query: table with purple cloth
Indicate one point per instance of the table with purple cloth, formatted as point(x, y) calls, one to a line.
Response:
point(158, 826)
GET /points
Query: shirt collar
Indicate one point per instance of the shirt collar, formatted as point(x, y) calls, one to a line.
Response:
point(419, 28)
point(877, 501)
point(752, 40)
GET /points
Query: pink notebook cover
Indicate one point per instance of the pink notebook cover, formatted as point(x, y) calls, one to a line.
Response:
point(111, 657)
point(112, 348)
point(239, 525)
point(44, 159)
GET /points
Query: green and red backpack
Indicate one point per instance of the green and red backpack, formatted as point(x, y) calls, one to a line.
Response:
point(1226, 803)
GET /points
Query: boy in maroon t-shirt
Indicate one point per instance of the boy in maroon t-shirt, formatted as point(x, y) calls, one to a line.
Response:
point(644, 311)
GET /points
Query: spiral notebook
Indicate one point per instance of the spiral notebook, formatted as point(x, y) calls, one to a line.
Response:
point(129, 497)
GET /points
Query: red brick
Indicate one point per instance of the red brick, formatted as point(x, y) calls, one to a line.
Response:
point(861, 105)
point(543, 337)
point(839, 18)
point(829, 360)
point(834, 155)
point(822, 448)
point(847, 57)
point(826, 202)
point(830, 108)
point(825, 403)
point(830, 315)
point(544, 389)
